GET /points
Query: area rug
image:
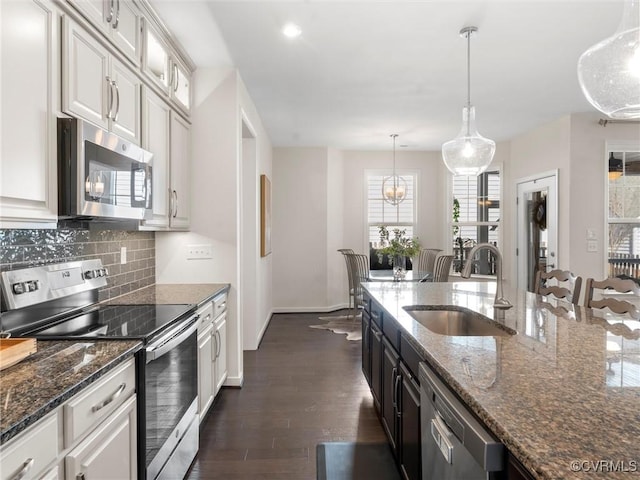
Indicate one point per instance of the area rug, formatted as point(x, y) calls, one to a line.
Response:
point(343, 324)
point(351, 460)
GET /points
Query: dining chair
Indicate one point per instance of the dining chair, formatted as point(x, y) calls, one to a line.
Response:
point(426, 262)
point(359, 273)
point(616, 285)
point(442, 268)
point(344, 252)
point(561, 284)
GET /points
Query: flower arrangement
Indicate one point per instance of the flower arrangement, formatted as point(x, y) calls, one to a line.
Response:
point(398, 246)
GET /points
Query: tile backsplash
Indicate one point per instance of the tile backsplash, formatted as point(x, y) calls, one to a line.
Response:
point(26, 248)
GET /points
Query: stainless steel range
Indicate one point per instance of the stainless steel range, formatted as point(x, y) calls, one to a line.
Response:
point(60, 302)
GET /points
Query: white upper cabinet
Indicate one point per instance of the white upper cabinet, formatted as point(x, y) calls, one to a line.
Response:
point(29, 89)
point(156, 115)
point(119, 20)
point(180, 173)
point(98, 87)
point(181, 86)
point(155, 57)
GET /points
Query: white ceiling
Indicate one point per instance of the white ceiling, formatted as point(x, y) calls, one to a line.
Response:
point(362, 70)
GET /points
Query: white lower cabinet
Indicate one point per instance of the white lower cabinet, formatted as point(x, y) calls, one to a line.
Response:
point(109, 451)
point(64, 445)
point(220, 358)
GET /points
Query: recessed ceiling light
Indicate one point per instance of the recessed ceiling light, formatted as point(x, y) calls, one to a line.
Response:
point(291, 30)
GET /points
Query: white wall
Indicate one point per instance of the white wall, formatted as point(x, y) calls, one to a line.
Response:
point(337, 283)
point(299, 187)
point(216, 217)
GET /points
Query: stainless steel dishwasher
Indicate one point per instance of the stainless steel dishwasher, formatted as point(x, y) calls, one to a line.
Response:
point(454, 444)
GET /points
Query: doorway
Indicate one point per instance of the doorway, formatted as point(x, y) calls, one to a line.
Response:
point(537, 227)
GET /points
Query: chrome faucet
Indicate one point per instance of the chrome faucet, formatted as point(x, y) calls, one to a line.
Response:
point(499, 302)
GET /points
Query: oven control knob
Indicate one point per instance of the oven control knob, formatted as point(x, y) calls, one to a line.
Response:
point(31, 285)
point(18, 288)
point(89, 274)
point(104, 272)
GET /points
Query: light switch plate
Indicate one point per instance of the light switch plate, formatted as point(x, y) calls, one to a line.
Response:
point(591, 234)
point(199, 252)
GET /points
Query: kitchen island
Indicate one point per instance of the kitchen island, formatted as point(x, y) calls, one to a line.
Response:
point(543, 391)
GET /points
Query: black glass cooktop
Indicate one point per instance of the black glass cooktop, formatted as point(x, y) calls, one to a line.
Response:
point(115, 321)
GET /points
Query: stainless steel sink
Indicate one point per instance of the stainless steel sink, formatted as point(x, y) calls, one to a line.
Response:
point(456, 321)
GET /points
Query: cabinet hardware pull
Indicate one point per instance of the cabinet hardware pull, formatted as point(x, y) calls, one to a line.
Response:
point(215, 347)
point(175, 204)
point(222, 305)
point(397, 393)
point(110, 16)
point(393, 382)
point(106, 402)
point(26, 466)
point(176, 77)
point(115, 86)
point(109, 97)
point(115, 24)
point(80, 476)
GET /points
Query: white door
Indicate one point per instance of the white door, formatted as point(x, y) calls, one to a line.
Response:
point(537, 227)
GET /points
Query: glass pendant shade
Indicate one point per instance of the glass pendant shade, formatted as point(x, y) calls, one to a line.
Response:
point(394, 189)
point(609, 71)
point(469, 153)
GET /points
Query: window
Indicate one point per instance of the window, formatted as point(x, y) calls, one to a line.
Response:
point(623, 172)
point(475, 217)
point(381, 213)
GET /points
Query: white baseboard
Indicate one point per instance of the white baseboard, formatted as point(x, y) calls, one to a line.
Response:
point(325, 309)
point(234, 381)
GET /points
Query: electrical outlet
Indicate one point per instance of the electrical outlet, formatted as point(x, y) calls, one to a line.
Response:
point(199, 252)
point(592, 246)
point(123, 255)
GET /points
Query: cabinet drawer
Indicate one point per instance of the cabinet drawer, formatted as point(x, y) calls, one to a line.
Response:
point(219, 305)
point(89, 407)
point(32, 451)
point(376, 314)
point(206, 317)
point(410, 356)
point(391, 331)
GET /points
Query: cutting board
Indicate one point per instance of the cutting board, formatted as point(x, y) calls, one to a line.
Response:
point(13, 350)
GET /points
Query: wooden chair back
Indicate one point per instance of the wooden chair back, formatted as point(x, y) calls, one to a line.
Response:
point(561, 284)
point(615, 305)
point(442, 268)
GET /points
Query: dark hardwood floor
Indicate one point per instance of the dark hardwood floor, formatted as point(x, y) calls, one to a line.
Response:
point(301, 387)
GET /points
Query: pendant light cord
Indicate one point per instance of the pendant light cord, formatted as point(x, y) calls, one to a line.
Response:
point(395, 178)
point(469, 69)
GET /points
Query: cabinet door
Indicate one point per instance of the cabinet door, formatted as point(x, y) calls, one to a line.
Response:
point(181, 86)
point(206, 374)
point(125, 116)
point(125, 30)
point(180, 173)
point(410, 453)
point(87, 91)
point(96, 11)
point(30, 92)
point(155, 57)
point(155, 138)
point(221, 351)
point(366, 347)
point(376, 365)
point(390, 390)
point(109, 451)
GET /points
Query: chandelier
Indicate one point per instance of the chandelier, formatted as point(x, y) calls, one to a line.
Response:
point(469, 153)
point(394, 188)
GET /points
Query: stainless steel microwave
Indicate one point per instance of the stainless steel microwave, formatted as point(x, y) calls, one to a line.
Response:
point(101, 175)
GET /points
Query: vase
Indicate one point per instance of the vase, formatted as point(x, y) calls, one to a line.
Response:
point(399, 267)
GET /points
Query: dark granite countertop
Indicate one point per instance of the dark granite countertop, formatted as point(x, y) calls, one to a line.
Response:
point(546, 392)
point(160, 294)
point(57, 371)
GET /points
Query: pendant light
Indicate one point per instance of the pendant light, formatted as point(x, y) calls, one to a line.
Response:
point(394, 188)
point(609, 71)
point(469, 153)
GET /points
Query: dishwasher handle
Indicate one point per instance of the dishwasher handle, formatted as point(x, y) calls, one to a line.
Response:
point(440, 434)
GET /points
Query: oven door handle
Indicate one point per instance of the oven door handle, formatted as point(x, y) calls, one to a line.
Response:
point(171, 340)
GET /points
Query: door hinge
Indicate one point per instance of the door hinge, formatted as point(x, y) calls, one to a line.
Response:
point(517, 252)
